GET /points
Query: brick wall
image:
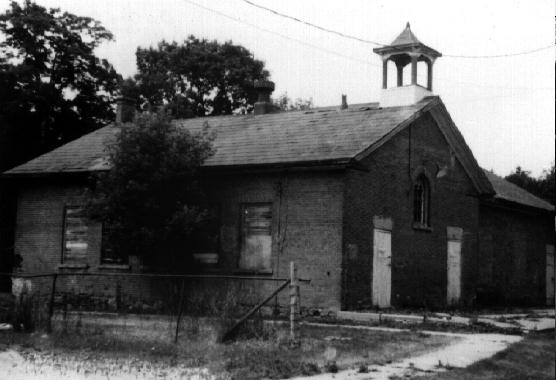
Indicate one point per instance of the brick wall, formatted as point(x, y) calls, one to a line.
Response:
point(307, 218)
point(419, 257)
point(512, 259)
point(39, 225)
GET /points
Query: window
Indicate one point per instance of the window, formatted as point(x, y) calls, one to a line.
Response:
point(75, 235)
point(421, 202)
point(205, 242)
point(109, 253)
point(256, 237)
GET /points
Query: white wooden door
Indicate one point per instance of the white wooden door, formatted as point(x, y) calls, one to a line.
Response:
point(550, 275)
point(382, 261)
point(454, 272)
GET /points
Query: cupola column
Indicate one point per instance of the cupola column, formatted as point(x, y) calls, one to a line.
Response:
point(429, 75)
point(399, 68)
point(384, 73)
point(413, 69)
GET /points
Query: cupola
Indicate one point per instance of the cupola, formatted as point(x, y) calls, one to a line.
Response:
point(404, 50)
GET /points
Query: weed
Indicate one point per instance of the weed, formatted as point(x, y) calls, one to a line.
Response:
point(309, 369)
point(363, 368)
point(331, 367)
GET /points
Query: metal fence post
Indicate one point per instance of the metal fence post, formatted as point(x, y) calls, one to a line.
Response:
point(51, 303)
point(182, 296)
point(294, 302)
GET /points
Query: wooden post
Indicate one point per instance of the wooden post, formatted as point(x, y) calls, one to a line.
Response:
point(182, 296)
point(51, 303)
point(294, 302)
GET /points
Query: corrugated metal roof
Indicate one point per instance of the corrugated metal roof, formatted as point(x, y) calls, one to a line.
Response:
point(508, 191)
point(281, 138)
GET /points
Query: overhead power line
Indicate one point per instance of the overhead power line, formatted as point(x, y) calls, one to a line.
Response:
point(314, 25)
point(355, 38)
point(501, 55)
point(332, 52)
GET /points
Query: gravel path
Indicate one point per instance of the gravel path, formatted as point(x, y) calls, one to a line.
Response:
point(15, 366)
point(471, 348)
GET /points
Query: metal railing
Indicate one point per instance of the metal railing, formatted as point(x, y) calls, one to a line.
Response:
point(233, 298)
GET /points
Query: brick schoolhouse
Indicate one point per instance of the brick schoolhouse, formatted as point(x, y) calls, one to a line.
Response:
point(379, 204)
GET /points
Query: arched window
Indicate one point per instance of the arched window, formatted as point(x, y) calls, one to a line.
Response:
point(421, 201)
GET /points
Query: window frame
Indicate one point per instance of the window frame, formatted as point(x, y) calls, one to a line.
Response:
point(242, 207)
point(103, 262)
point(198, 256)
point(422, 200)
point(72, 260)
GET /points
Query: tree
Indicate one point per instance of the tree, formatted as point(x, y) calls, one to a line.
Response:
point(547, 185)
point(150, 201)
point(52, 86)
point(285, 103)
point(196, 78)
point(523, 179)
point(543, 186)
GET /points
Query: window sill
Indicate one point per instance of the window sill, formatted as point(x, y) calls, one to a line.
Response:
point(253, 271)
point(73, 266)
point(211, 270)
point(115, 267)
point(421, 227)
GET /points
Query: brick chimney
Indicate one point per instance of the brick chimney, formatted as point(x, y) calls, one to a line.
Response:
point(344, 105)
point(125, 109)
point(263, 105)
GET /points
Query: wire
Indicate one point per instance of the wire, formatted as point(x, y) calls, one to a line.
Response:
point(351, 37)
point(332, 52)
point(313, 25)
point(500, 55)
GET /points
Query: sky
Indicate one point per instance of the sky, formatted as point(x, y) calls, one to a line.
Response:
point(503, 106)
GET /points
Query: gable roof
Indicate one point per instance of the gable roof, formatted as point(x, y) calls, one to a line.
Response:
point(288, 138)
point(315, 137)
point(510, 192)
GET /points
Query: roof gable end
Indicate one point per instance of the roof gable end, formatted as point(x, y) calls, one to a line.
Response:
point(440, 115)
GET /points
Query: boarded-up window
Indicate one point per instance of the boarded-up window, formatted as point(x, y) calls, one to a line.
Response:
point(75, 234)
point(256, 235)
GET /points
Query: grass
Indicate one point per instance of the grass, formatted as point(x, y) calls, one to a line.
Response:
point(320, 349)
point(532, 358)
